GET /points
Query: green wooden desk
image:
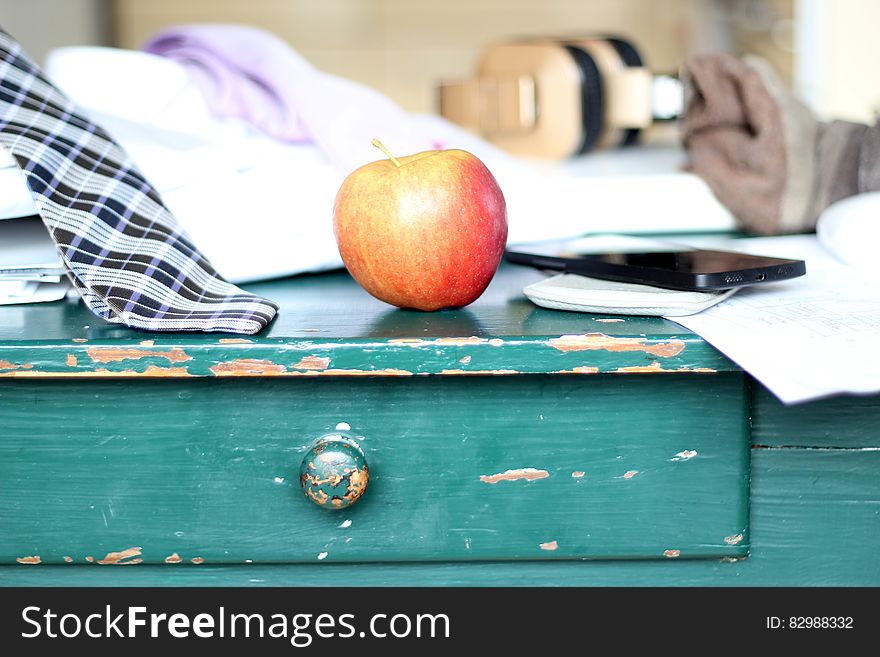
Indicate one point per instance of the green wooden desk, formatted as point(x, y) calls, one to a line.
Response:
point(507, 445)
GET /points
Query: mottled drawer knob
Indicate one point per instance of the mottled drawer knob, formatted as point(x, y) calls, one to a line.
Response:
point(334, 472)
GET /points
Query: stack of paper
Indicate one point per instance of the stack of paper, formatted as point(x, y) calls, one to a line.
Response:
point(30, 268)
point(806, 338)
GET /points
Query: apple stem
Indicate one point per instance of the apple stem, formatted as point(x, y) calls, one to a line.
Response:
point(378, 144)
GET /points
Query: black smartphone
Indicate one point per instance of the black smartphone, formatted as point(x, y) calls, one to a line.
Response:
point(662, 265)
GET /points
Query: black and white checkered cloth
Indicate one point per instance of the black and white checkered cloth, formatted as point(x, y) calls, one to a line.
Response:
point(123, 249)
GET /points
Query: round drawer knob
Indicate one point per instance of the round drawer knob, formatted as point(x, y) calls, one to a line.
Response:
point(334, 472)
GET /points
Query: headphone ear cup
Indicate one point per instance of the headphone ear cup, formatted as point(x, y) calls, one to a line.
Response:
point(630, 56)
point(592, 98)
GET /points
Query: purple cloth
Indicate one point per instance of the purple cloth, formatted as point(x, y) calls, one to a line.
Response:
point(243, 73)
point(250, 74)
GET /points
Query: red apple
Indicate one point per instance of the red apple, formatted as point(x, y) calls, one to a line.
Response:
point(425, 231)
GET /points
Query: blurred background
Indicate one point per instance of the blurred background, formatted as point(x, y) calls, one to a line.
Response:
point(826, 50)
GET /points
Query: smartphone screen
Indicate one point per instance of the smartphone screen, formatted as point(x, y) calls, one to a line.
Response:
point(692, 261)
point(657, 263)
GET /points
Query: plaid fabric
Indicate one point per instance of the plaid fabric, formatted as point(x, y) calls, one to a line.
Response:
point(123, 249)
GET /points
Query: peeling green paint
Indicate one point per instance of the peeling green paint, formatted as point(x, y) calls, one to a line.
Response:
point(518, 354)
point(355, 336)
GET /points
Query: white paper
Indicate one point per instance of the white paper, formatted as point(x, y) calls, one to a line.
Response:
point(805, 338)
point(26, 247)
point(31, 292)
point(15, 197)
point(30, 267)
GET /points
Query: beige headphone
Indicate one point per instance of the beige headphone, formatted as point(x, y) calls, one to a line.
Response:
point(556, 98)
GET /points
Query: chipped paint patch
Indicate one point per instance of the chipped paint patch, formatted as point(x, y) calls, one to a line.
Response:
point(71, 360)
point(549, 545)
point(30, 561)
point(578, 474)
point(322, 556)
point(173, 558)
point(529, 474)
point(385, 372)
point(610, 320)
point(581, 369)
point(312, 363)
point(357, 484)
point(671, 554)
point(147, 343)
point(464, 361)
point(247, 367)
point(629, 474)
point(736, 539)
point(634, 369)
point(68, 559)
point(343, 426)
point(446, 342)
point(152, 371)
point(90, 559)
point(255, 367)
point(234, 341)
point(685, 455)
point(119, 558)
point(657, 367)
point(278, 480)
point(320, 498)
point(80, 340)
point(460, 342)
point(112, 354)
point(197, 560)
point(343, 372)
point(6, 365)
point(478, 372)
point(345, 524)
point(441, 342)
point(600, 341)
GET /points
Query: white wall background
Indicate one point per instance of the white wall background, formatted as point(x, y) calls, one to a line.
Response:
point(404, 46)
point(40, 25)
point(837, 57)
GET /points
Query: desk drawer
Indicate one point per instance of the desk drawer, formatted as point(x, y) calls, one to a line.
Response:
point(484, 467)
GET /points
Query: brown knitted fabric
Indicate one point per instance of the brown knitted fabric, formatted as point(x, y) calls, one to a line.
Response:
point(763, 153)
point(869, 160)
point(734, 134)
